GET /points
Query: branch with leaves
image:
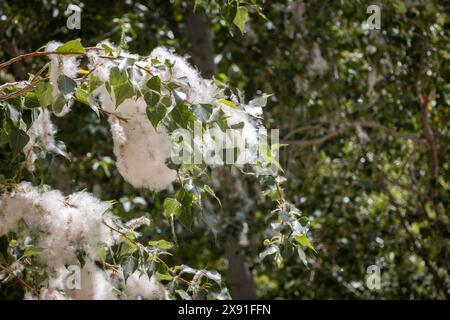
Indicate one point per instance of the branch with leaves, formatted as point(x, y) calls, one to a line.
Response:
point(151, 97)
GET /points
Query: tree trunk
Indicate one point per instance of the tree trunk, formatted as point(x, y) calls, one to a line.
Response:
point(202, 50)
point(242, 286)
point(201, 38)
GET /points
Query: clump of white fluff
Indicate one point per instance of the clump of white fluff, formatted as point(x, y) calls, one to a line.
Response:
point(41, 131)
point(61, 65)
point(100, 66)
point(141, 151)
point(62, 227)
point(95, 284)
point(139, 286)
point(199, 90)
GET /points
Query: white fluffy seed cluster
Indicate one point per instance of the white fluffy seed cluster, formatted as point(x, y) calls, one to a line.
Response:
point(140, 149)
point(62, 228)
point(41, 132)
point(61, 65)
point(198, 90)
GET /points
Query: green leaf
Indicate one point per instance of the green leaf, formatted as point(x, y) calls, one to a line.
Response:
point(123, 92)
point(400, 7)
point(194, 187)
point(93, 105)
point(304, 241)
point(32, 251)
point(2, 259)
point(44, 94)
point(156, 114)
point(171, 207)
point(102, 255)
point(135, 75)
point(302, 256)
point(269, 251)
point(31, 100)
point(4, 139)
point(303, 221)
point(183, 295)
point(58, 104)
point(17, 140)
point(94, 83)
point(67, 86)
point(260, 101)
point(72, 46)
point(129, 266)
point(240, 18)
point(154, 84)
point(239, 125)
point(82, 95)
point(179, 96)
point(81, 256)
point(13, 114)
point(186, 214)
point(228, 103)
point(202, 112)
point(107, 48)
point(120, 85)
point(208, 189)
point(151, 98)
point(162, 244)
point(182, 115)
point(163, 276)
point(212, 222)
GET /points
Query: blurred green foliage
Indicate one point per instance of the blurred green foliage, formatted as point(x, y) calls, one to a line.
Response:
point(356, 106)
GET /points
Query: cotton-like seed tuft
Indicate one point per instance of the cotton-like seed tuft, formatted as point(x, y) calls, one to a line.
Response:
point(61, 65)
point(141, 151)
point(42, 132)
point(62, 227)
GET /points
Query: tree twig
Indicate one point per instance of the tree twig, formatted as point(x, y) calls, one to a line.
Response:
point(18, 279)
point(26, 89)
point(345, 126)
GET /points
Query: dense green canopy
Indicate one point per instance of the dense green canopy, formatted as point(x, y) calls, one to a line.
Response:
point(364, 113)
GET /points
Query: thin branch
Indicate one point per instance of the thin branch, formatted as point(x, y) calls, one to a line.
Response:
point(26, 89)
point(345, 126)
point(36, 54)
point(302, 129)
point(18, 279)
point(11, 84)
point(391, 132)
point(47, 53)
point(40, 72)
point(145, 69)
point(429, 136)
point(305, 143)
